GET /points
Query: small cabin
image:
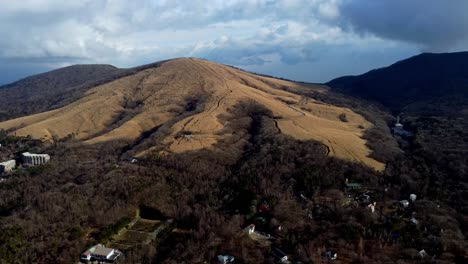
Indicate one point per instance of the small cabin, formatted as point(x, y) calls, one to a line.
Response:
point(280, 255)
point(225, 259)
point(398, 129)
point(250, 229)
point(354, 186)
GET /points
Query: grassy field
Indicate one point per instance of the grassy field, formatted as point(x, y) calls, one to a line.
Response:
point(139, 233)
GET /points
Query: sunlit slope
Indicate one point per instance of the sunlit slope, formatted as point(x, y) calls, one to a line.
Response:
point(127, 107)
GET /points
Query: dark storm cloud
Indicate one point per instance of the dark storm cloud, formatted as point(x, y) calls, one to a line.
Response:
point(435, 25)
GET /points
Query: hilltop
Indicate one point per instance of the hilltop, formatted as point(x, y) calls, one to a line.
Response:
point(194, 100)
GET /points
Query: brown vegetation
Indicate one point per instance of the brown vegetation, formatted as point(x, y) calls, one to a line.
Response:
point(211, 192)
point(192, 95)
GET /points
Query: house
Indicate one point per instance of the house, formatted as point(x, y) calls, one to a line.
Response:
point(353, 185)
point(280, 255)
point(100, 253)
point(7, 166)
point(250, 229)
point(34, 159)
point(404, 203)
point(371, 206)
point(399, 130)
point(414, 221)
point(257, 235)
point(225, 259)
point(331, 255)
point(423, 254)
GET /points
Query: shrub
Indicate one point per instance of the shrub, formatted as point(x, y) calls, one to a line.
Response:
point(343, 117)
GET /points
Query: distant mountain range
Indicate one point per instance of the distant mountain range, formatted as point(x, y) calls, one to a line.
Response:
point(427, 83)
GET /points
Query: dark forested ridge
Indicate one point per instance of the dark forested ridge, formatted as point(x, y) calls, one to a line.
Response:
point(426, 78)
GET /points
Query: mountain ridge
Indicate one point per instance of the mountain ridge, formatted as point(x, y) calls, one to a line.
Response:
point(56, 88)
point(126, 108)
point(422, 78)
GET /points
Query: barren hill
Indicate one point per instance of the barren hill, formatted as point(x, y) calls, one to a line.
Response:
point(193, 95)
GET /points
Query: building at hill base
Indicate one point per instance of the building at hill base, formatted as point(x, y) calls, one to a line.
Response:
point(7, 166)
point(34, 159)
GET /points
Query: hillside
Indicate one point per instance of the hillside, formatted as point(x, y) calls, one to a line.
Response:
point(56, 88)
point(194, 100)
point(440, 80)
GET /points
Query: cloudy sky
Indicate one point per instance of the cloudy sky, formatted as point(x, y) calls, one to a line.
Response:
point(307, 40)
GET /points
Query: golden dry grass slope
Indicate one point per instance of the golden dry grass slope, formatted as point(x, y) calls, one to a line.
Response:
point(127, 107)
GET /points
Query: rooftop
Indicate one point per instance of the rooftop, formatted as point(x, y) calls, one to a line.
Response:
point(103, 251)
point(27, 154)
point(353, 185)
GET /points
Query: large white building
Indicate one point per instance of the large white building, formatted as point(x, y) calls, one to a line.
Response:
point(35, 159)
point(100, 253)
point(7, 166)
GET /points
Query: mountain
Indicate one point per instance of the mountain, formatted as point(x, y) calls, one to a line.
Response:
point(44, 91)
point(217, 150)
point(56, 88)
point(427, 84)
point(192, 101)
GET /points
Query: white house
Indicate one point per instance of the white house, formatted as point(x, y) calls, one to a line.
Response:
point(7, 166)
point(225, 259)
point(399, 130)
point(35, 159)
point(250, 229)
point(404, 203)
point(101, 253)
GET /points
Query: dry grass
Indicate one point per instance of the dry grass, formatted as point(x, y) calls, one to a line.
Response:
point(161, 93)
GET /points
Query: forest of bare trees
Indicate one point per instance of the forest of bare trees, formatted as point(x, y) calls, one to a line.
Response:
point(52, 213)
